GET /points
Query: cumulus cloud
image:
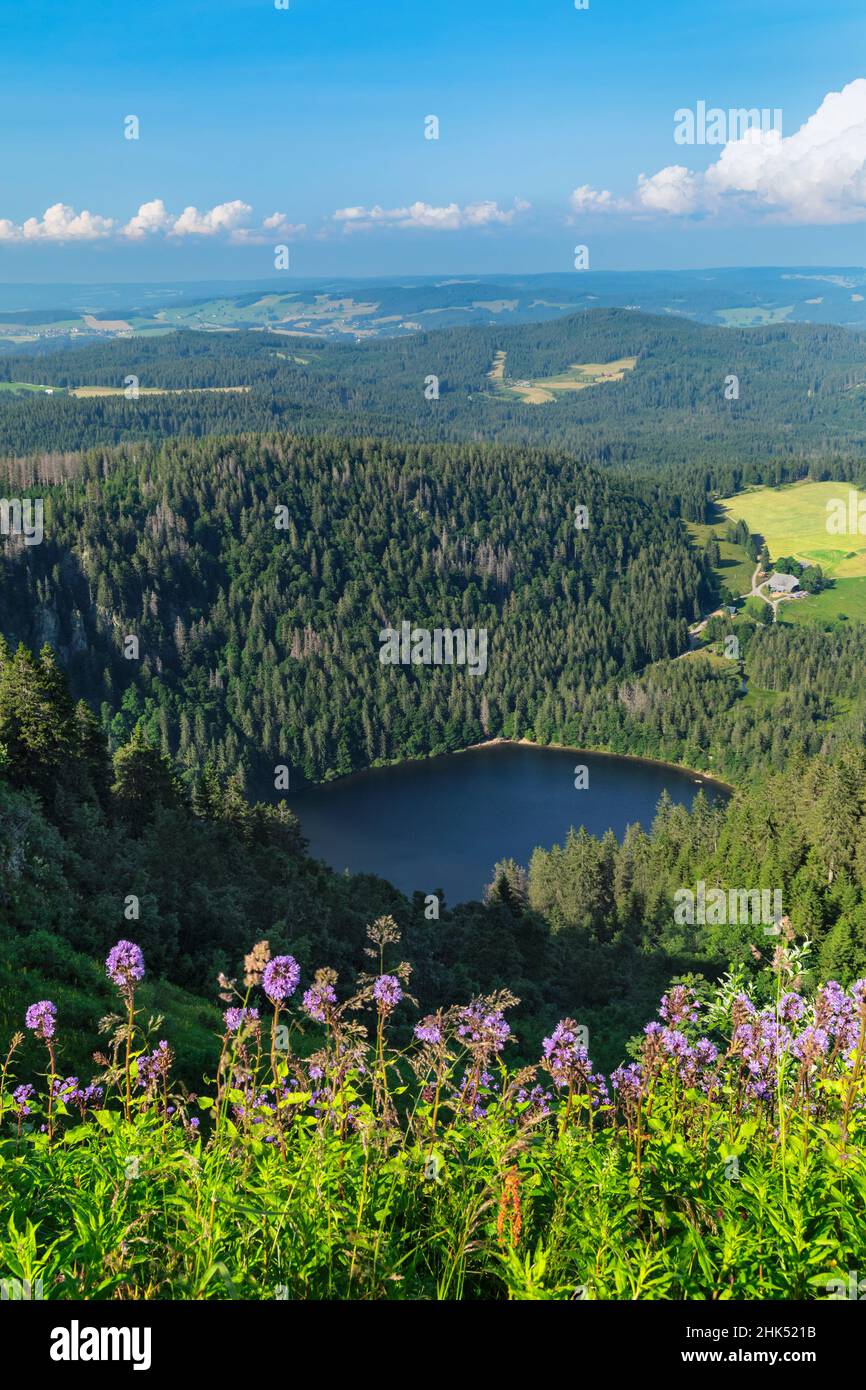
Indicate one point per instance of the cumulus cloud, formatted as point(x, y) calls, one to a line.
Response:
point(587, 199)
point(151, 217)
point(231, 220)
point(225, 217)
point(817, 175)
point(673, 190)
point(448, 218)
point(234, 222)
point(58, 223)
point(277, 226)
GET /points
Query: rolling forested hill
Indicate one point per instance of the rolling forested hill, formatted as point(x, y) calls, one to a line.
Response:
point(52, 318)
point(259, 644)
point(800, 400)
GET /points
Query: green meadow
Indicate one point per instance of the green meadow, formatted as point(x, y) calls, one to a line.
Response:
point(577, 377)
point(736, 568)
point(793, 521)
point(846, 600)
point(15, 388)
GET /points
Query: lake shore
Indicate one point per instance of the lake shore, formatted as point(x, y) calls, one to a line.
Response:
point(498, 741)
point(601, 753)
point(441, 823)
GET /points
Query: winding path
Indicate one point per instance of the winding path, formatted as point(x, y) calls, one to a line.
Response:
point(756, 592)
point(697, 628)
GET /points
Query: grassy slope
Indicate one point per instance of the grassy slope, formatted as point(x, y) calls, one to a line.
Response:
point(793, 521)
point(736, 566)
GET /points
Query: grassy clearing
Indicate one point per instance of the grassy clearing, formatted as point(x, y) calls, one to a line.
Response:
point(107, 325)
point(496, 306)
point(578, 377)
point(793, 521)
point(15, 388)
point(86, 392)
point(736, 567)
point(708, 654)
point(752, 317)
point(845, 601)
point(497, 371)
point(758, 699)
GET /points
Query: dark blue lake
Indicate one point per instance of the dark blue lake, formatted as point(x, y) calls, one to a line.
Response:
point(444, 822)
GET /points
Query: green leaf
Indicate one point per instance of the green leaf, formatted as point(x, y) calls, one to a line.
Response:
point(295, 1098)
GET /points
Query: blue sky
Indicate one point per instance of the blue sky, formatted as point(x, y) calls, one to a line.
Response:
point(266, 123)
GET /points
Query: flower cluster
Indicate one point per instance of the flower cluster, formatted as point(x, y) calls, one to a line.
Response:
point(483, 1030)
point(154, 1070)
point(387, 991)
point(457, 1059)
point(40, 1018)
point(235, 1018)
point(679, 1006)
point(125, 966)
point(319, 1002)
point(281, 978)
point(566, 1058)
point(69, 1092)
point(22, 1096)
point(430, 1030)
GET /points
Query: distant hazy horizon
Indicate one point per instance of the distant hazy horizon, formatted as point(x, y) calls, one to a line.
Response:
point(288, 280)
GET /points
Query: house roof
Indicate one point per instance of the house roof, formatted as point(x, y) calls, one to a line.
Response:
point(784, 582)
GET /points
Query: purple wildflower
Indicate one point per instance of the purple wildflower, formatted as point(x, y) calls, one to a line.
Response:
point(675, 1043)
point(627, 1081)
point(741, 1009)
point(706, 1052)
point(319, 1001)
point(652, 1044)
point(40, 1017)
point(565, 1057)
point(472, 1091)
point(22, 1095)
point(537, 1102)
point(155, 1068)
point(835, 1012)
point(811, 1044)
point(429, 1031)
point(484, 1030)
point(281, 978)
point(125, 966)
point(387, 991)
point(598, 1090)
point(66, 1090)
point(791, 1008)
point(679, 1006)
point(235, 1018)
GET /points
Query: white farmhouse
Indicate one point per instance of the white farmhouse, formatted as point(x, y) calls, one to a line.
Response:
point(783, 583)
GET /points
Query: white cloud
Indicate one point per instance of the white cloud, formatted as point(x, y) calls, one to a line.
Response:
point(673, 190)
point(587, 199)
point(276, 227)
point(225, 217)
point(151, 217)
point(233, 221)
point(816, 175)
point(63, 223)
point(59, 223)
point(426, 216)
